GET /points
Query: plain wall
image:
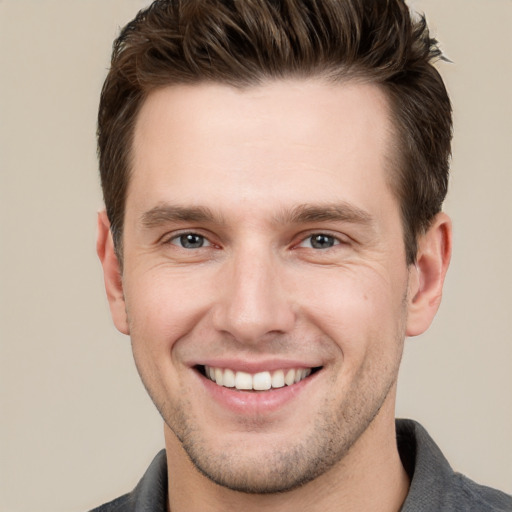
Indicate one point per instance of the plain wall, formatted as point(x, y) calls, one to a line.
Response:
point(77, 427)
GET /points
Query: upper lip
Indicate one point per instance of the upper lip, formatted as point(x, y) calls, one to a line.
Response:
point(257, 366)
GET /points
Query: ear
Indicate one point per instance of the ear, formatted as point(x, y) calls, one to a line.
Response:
point(111, 273)
point(426, 277)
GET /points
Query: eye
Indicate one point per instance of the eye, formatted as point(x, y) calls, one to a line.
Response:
point(320, 241)
point(190, 241)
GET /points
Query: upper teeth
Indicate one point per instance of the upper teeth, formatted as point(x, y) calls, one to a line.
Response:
point(259, 381)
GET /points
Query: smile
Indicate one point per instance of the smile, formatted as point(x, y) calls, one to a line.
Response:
point(261, 381)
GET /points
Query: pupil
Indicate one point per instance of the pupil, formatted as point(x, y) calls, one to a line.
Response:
point(191, 241)
point(322, 241)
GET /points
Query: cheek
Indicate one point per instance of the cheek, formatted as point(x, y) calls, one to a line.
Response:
point(163, 307)
point(159, 313)
point(355, 307)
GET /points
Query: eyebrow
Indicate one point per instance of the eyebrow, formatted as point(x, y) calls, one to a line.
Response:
point(165, 213)
point(301, 214)
point(334, 212)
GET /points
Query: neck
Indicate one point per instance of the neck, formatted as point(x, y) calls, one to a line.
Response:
point(369, 478)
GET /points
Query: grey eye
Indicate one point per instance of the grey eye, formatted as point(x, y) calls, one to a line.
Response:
point(322, 241)
point(190, 241)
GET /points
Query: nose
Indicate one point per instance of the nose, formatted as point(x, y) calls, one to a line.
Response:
point(254, 304)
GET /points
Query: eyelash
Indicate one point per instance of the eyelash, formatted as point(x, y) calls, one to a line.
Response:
point(179, 240)
point(335, 240)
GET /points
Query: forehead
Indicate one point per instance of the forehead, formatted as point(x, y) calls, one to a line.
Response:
point(293, 140)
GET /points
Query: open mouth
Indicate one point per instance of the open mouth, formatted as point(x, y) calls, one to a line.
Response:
point(261, 381)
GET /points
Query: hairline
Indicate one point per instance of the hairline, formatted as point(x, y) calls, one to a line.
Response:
point(393, 158)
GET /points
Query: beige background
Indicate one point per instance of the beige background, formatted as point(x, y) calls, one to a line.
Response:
point(76, 426)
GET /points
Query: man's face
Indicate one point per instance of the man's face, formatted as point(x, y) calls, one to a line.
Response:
point(262, 243)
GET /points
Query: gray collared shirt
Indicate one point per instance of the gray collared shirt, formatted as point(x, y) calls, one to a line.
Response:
point(434, 485)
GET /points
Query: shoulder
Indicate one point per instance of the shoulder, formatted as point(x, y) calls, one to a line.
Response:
point(124, 503)
point(470, 496)
point(150, 494)
point(434, 484)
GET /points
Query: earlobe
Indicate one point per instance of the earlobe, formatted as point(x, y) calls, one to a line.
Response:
point(111, 273)
point(427, 275)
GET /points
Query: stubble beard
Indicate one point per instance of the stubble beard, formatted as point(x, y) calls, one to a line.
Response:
point(283, 468)
point(280, 470)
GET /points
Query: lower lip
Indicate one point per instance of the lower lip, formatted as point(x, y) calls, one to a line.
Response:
point(256, 403)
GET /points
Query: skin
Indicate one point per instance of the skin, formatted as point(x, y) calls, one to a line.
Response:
point(254, 174)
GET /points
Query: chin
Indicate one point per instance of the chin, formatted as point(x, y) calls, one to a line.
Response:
point(268, 463)
point(277, 472)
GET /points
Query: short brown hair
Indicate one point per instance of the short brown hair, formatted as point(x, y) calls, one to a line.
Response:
point(244, 42)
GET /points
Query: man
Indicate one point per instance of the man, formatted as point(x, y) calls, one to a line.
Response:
point(273, 174)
